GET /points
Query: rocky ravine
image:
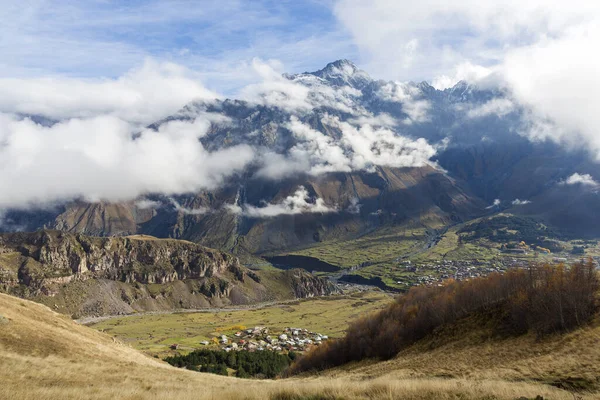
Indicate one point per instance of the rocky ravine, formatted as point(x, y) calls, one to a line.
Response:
point(83, 275)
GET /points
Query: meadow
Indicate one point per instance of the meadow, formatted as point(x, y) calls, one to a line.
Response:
point(154, 333)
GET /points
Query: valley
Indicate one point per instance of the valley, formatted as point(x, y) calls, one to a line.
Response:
point(155, 333)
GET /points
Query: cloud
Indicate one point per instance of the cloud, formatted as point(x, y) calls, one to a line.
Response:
point(145, 204)
point(495, 204)
point(298, 203)
point(274, 89)
point(538, 51)
point(383, 119)
point(557, 80)
point(141, 96)
point(100, 159)
point(188, 211)
point(402, 40)
point(465, 71)
point(296, 93)
point(498, 107)
point(580, 179)
point(357, 148)
point(371, 147)
point(409, 96)
point(517, 202)
point(354, 207)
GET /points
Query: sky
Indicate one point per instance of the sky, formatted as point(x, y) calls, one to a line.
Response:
point(106, 69)
point(217, 39)
point(392, 39)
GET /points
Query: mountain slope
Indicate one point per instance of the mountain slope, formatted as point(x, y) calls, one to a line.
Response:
point(85, 275)
point(45, 355)
point(373, 153)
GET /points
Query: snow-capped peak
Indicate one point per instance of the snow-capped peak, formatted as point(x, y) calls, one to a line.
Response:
point(340, 73)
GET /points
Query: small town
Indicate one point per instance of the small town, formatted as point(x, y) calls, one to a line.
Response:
point(261, 338)
point(463, 269)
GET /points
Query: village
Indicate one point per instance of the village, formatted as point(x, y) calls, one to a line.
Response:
point(437, 272)
point(434, 273)
point(261, 338)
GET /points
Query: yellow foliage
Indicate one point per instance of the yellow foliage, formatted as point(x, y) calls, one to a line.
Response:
point(231, 328)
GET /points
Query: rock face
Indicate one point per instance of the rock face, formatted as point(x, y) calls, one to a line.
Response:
point(93, 276)
point(305, 285)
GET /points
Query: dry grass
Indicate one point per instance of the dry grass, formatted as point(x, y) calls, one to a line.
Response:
point(44, 355)
point(472, 350)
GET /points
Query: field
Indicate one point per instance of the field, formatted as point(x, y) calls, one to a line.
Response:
point(386, 251)
point(384, 245)
point(44, 355)
point(154, 333)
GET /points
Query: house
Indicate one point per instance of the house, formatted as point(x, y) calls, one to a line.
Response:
point(174, 346)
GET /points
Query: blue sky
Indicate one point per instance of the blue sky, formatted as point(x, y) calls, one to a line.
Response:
point(107, 68)
point(106, 38)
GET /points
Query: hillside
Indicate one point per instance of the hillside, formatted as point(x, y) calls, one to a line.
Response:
point(472, 349)
point(83, 275)
point(45, 355)
point(537, 324)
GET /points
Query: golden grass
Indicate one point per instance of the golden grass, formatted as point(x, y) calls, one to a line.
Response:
point(44, 355)
point(471, 350)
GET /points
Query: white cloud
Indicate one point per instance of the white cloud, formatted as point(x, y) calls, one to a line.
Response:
point(358, 148)
point(298, 203)
point(400, 39)
point(496, 203)
point(142, 96)
point(297, 93)
point(518, 202)
point(188, 211)
point(410, 97)
point(354, 206)
point(274, 89)
point(383, 119)
point(499, 107)
point(465, 71)
point(580, 179)
point(558, 80)
point(99, 159)
point(371, 147)
point(145, 204)
point(540, 51)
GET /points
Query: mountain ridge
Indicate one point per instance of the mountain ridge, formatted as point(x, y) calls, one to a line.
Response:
point(423, 152)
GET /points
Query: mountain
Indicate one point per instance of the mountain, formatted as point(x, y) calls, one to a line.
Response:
point(340, 155)
point(88, 276)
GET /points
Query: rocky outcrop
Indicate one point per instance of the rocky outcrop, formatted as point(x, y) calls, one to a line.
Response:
point(305, 284)
point(85, 275)
point(59, 257)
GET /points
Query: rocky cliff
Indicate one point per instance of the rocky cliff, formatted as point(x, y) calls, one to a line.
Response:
point(86, 275)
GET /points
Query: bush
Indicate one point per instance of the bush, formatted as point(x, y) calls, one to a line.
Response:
point(264, 364)
point(542, 298)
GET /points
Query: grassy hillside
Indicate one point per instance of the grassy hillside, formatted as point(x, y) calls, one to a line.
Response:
point(45, 355)
point(539, 324)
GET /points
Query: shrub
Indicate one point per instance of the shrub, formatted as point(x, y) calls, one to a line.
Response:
point(264, 364)
point(543, 298)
